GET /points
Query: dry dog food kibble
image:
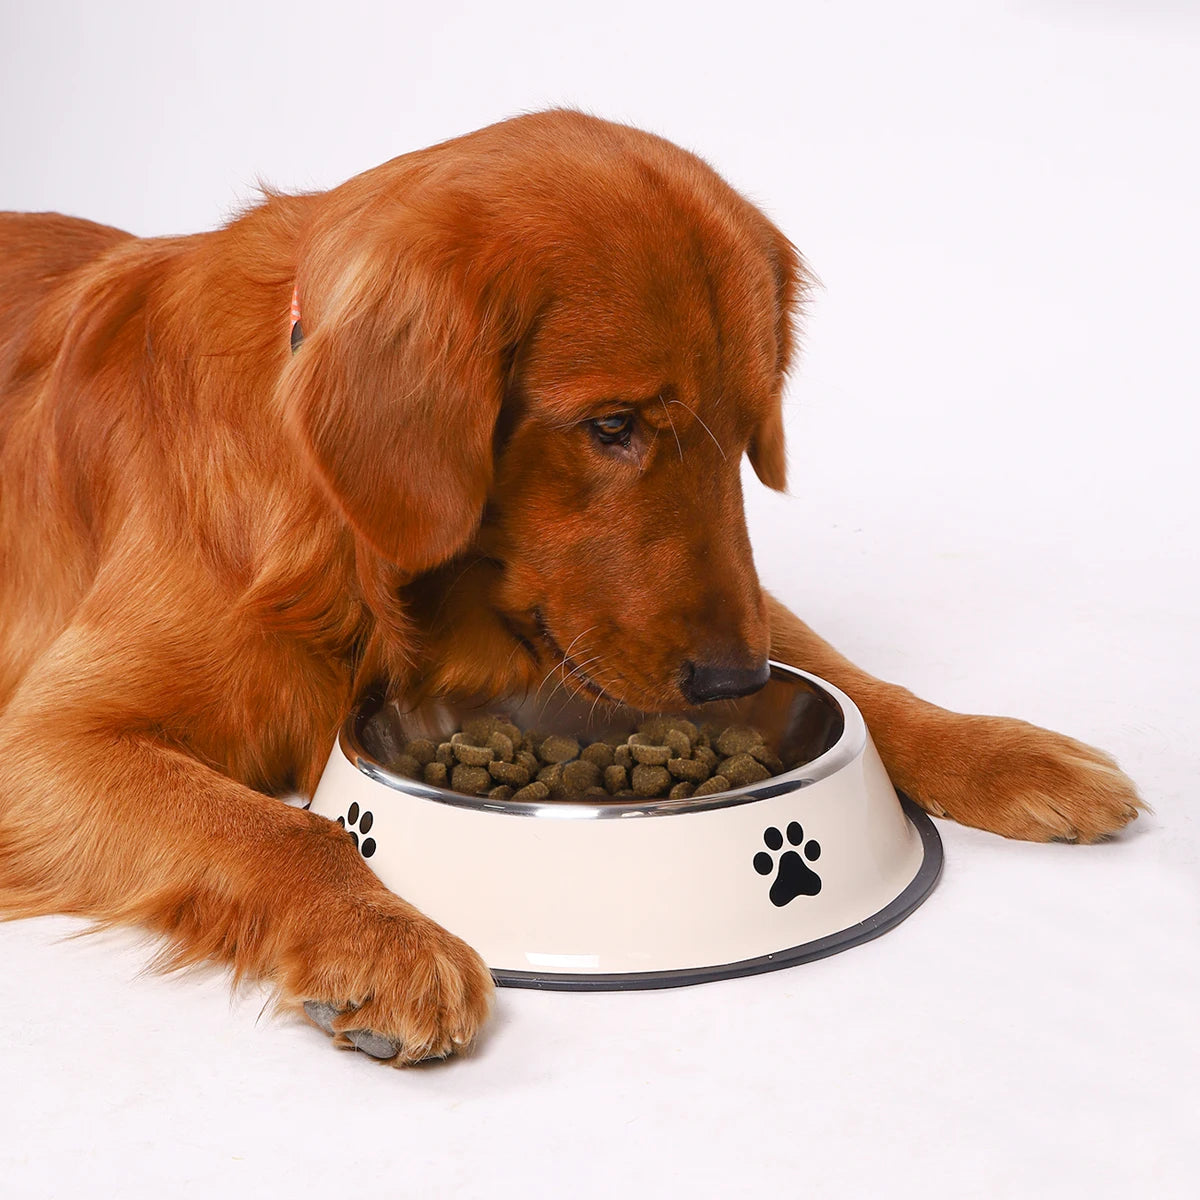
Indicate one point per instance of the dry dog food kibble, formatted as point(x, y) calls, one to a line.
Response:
point(665, 757)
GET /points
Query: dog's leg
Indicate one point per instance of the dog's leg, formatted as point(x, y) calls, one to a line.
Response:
point(995, 773)
point(107, 821)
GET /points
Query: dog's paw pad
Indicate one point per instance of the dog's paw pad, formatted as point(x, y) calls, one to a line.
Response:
point(364, 820)
point(795, 877)
point(321, 1014)
point(366, 1040)
point(372, 1043)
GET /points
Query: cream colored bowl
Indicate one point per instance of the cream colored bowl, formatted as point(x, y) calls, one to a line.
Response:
point(635, 894)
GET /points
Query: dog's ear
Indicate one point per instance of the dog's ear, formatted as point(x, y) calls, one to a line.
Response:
point(394, 392)
point(767, 451)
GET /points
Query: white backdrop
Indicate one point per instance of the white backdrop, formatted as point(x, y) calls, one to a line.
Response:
point(993, 438)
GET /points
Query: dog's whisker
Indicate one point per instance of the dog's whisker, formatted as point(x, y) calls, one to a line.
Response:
point(702, 422)
point(562, 662)
point(564, 681)
point(586, 685)
point(667, 410)
point(578, 669)
point(653, 443)
point(561, 665)
point(557, 665)
point(451, 587)
point(602, 694)
point(512, 654)
point(576, 639)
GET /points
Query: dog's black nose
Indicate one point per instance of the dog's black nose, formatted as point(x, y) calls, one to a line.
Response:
point(714, 681)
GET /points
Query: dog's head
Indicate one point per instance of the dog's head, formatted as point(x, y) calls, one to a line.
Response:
point(534, 358)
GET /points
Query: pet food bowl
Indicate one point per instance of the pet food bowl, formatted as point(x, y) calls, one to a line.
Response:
point(621, 894)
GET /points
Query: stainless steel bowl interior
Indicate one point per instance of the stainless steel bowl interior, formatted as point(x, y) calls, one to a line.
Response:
point(802, 722)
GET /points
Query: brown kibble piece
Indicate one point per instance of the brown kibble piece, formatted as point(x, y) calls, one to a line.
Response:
point(707, 756)
point(469, 753)
point(650, 756)
point(718, 783)
point(678, 742)
point(738, 739)
point(580, 775)
point(509, 772)
point(406, 765)
point(650, 731)
point(550, 775)
point(688, 768)
point(509, 730)
point(477, 730)
point(769, 759)
point(656, 729)
point(682, 790)
point(623, 757)
point(503, 792)
point(471, 780)
point(650, 781)
point(599, 753)
point(557, 749)
point(616, 779)
point(502, 745)
point(422, 749)
point(529, 761)
point(742, 770)
point(436, 774)
point(644, 738)
point(531, 793)
point(445, 755)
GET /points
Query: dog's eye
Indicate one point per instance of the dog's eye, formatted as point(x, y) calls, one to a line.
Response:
point(614, 430)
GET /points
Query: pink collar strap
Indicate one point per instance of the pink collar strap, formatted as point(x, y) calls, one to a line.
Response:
point(297, 332)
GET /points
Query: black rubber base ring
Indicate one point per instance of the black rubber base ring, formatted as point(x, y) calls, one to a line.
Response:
point(886, 918)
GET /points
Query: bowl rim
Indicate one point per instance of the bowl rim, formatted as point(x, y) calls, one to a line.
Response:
point(846, 749)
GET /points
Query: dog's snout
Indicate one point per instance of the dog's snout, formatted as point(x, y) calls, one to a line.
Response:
point(717, 681)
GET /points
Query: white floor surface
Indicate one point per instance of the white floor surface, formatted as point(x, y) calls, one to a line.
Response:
point(994, 502)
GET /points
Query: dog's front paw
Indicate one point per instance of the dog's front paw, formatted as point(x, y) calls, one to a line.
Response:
point(399, 988)
point(1019, 780)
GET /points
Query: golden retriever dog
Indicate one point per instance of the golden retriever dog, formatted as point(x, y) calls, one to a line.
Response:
point(528, 361)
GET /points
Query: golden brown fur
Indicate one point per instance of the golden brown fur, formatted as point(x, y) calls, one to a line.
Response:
point(210, 547)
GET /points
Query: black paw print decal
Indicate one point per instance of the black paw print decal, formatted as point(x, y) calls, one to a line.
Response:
point(795, 877)
point(364, 823)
